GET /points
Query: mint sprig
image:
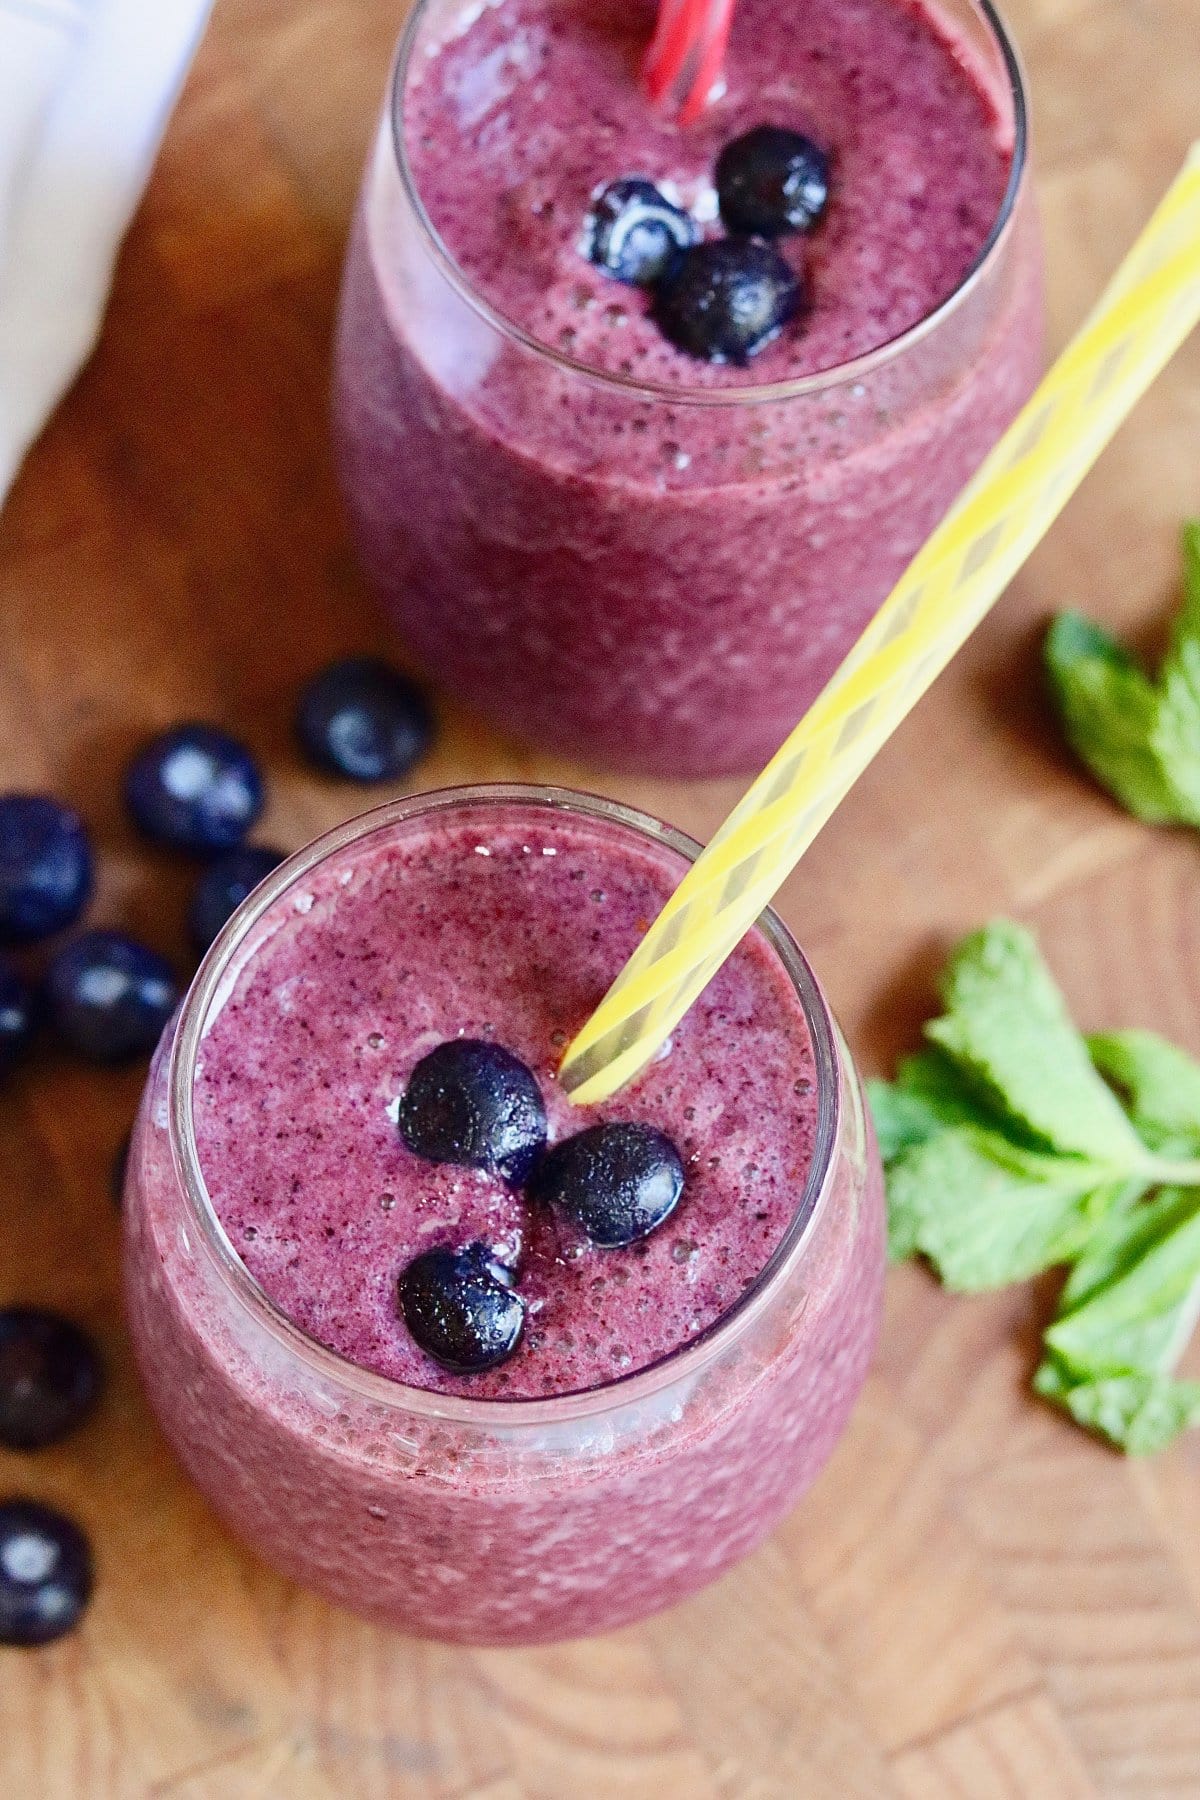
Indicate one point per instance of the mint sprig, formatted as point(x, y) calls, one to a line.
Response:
point(1139, 737)
point(1159, 1084)
point(1012, 1145)
point(1008, 1032)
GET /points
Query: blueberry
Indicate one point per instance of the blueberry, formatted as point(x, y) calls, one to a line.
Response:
point(460, 1308)
point(364, 720)
point(728, 299)
point(194, 788)
point(109, 997)
point(636, 234)
point(50, 1376)
point(616, 1182)
point(475, 1104)
point(18, 1012)
point(772, 181)
point(45, 1574)
point(45, 867)
point(223, 886)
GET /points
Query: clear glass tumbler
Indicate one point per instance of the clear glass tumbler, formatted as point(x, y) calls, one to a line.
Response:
point(654, 577)
point(497, 1521)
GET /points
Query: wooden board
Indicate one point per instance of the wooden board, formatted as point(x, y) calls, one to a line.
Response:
point(977, 1602)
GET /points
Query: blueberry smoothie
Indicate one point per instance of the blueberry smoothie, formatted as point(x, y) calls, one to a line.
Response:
point(453, 1381)
point(615, 525)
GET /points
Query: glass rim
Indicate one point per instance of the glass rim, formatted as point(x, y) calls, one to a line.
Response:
point(384, 1389)
point(819, 380)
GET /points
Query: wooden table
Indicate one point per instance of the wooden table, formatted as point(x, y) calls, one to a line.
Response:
point(977, 1601)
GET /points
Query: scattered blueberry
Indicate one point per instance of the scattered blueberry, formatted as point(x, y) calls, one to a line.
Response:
point(45, 867)
point(18, 1011)
point(728, 299)
point(109, 996)
point(460, 1307)
point(50, 1376)
point(223, 886)
point(118, 1170)
point(617, 1182)
point(45, 1573)
point(476, 1104)
point(195, 788)
point(772, 181)
point(636, 234)
point(364, 720)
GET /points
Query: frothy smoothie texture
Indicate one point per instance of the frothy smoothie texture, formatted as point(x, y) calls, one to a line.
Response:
point(667, 1399)
point(511, 128)
point(618, 546)
point(512, 935)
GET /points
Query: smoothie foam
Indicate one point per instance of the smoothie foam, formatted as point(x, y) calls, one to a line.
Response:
point(609, 546)
point(510, 932)
point(511, 128)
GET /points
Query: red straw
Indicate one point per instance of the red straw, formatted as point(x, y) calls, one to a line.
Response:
point(683, 63)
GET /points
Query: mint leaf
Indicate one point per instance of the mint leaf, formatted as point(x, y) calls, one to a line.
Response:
point(1126, 1314)
point(1140, 738)
point(927, 1095)
point(900, 1119)
point(1177, 727)
point(1137, 1319)
point(1110, 712)
point(1159, 1082)
point(1008, 1031)
point(1120, 1241)
point(1138, 1413)
point(986, 1211)
point(1013, 1145)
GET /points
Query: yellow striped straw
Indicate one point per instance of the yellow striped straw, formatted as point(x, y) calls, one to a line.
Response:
point(1142, 318)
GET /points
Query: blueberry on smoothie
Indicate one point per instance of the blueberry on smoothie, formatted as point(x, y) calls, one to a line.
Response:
point(460, 1307)
point(109, 996)
point(45, 1574)
point(771, 181)
point(616, 1182)
point(45, 867)
point(363, 720)
point(223, 886)
point(727, 299)
point(476, 1104)
point(636, 235)
point(18, 1015)
point(50, 1375)
point(194, 788)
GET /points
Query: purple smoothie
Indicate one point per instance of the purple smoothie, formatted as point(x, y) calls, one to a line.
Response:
point(617, 548)
point(512, 937)
point(631, 1422)
point(511, 128)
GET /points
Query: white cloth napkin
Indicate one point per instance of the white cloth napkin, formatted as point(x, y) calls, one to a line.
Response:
point(86, 87)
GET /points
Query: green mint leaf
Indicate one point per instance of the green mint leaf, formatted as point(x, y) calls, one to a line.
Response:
point(1138, 1413)
point(986, 1211)
point(905, 1204)
point(1141, 739)
point(901, 1119)
point(1008, 1031)
point(1138, 1318)
point(927, 1095)
point(1008, 1151)
point(1052, 1381)
point(1122, 1238)
point(1111, 715)
point(1159, 1082)
point(1176, 735)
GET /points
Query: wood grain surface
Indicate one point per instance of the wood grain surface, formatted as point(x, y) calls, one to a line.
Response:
point(977, 1602)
